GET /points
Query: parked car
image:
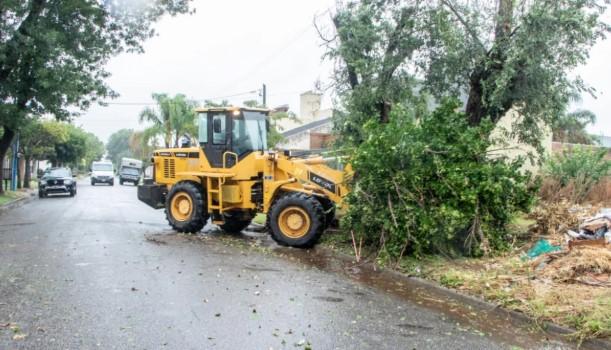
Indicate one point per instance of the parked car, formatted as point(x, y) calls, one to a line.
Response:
point(56, 180)
point(102, 172)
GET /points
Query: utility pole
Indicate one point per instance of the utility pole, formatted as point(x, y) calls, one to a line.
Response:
point(15, 161)
point(264, 94)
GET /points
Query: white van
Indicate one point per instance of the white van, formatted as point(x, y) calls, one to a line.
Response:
point(102, 172)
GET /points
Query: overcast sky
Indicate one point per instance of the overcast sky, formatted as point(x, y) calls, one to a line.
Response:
point(234, 46)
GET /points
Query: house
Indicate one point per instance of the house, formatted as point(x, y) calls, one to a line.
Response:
point(316, 124)
point(313, 131)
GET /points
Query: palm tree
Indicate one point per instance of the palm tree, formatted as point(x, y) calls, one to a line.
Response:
point(172, 117)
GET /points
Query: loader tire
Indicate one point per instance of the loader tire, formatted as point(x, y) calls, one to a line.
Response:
point(185, 208)
point(296, 220)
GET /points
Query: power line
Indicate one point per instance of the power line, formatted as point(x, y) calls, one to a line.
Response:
point(197, 100)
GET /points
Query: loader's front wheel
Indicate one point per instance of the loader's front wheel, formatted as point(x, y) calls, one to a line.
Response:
point(296, 220)
point(184, 208)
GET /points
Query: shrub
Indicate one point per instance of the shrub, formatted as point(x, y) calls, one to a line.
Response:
point(426, 185)
point(577, 171)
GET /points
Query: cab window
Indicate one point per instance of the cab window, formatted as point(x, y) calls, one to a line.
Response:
point(219, 135)
point(203, 128)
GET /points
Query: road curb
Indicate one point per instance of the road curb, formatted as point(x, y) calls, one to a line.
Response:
point(18, 202)
point(474, 301)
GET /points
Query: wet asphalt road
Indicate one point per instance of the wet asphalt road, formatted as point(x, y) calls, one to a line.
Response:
point(103, 271)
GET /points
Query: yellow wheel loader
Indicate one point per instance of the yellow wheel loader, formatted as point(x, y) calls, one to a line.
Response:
point(231, 176)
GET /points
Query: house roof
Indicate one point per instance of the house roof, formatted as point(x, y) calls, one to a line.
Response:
point(306, 127)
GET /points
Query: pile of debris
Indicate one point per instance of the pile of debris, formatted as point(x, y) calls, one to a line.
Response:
point(582, 256)
point(588, 265)
point(553, 218)
point(597, 229)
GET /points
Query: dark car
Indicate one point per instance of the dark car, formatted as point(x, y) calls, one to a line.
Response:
point(57, 180)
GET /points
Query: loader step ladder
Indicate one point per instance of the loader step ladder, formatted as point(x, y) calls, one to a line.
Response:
point(214, 188)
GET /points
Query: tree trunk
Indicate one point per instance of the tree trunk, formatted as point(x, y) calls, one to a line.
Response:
point(476, 109)
point(5, 143)
point(504, 19)
point(27, 177)
point(475, 106)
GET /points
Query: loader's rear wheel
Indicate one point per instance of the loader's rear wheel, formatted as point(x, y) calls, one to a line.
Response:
point(184, 208)
point(296, 220)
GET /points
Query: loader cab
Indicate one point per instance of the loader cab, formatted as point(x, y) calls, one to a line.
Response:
point(229, 134)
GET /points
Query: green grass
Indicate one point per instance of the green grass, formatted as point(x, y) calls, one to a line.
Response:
point(7, 197)
point(259, 219)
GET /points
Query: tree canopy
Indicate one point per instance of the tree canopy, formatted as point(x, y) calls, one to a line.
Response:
point(571, 127)
point(496, 55)
point(173, 117)
point(118, 145)
point(440, 75)
point(53, 52)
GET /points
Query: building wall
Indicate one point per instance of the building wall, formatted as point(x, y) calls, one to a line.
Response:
point(309, 104)
point(303, 140)
point(511, 148)
point(321, 140)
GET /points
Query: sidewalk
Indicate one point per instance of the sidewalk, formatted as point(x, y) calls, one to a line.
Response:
point(10, 199)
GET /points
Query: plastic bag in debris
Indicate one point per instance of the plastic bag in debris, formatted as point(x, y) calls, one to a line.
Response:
point(542, 246)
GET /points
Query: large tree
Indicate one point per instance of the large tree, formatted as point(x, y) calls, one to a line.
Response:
point(118, 145)
point(52, 53)
point(37, 142)
point(73, 149)
point(500, 55)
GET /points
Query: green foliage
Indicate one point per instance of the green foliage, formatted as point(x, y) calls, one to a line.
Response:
point(426, 185)
point(94, 150)
point(498, 54)
point(72, 150)
point(118, 146)
point(571, 127)
point(507, 55)
point(374, 43)
point(173, 117)
point(140, 147)
point(53, 54)
point(580, 167)
point(60, 142)
point(39, 137)
point(578, 162)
